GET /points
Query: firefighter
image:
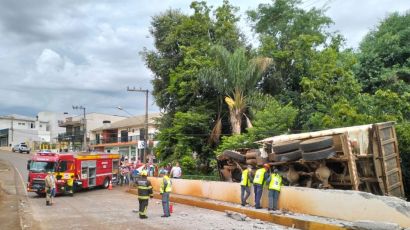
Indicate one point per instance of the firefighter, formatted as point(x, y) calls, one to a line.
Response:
point(275, 183)
point(246, 185)
point(144, 193)
point(261, 175)
point(165, 190)
point(70, 184)
point(50, 186)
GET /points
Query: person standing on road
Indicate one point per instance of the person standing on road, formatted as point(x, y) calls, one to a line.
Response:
point(261, 175)
point(50, 186)
point(144, 193)
point(176, 171)
point(165, 189)
point(275, 183)
point(70, 184)
point(246, 185)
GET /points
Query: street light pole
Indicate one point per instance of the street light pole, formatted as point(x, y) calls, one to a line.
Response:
point(121, 108)
point(84, 147)
point(146, 91)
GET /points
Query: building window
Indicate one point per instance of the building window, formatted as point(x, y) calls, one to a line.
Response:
point(32, 125)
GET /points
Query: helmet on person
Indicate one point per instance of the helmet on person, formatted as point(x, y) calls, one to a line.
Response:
point(275, 170)
point(266, 166)
point(163, 172)
point(144, 173)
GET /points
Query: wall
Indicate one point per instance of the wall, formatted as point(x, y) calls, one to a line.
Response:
point(338, 204)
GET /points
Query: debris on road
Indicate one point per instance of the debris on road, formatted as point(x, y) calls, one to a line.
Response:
point(235, 215)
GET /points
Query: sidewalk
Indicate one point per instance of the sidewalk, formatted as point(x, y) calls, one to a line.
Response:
point(14, 209)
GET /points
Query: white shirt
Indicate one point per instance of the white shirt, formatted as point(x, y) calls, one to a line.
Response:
point(176, 172)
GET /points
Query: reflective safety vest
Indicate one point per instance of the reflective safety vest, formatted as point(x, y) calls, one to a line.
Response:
point(246, 180)
point(275, 182)
point(166, 185)
point(70, 182)
point(259, 176)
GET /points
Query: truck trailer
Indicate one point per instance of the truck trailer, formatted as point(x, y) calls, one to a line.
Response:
point(363, 158)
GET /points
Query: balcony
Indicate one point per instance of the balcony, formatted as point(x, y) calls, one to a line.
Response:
point(71, 137)
point(119, 140)
point(69, 122)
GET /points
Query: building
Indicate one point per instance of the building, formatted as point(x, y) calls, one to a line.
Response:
point(53, 126)
point(126, 136)
point(73, 137)
point(15, 129)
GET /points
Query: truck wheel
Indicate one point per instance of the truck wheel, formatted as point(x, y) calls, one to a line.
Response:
point(234, 155)
point(316, 144)
point(106, 182)
point(318, 155)
point(252, 153)
point(28, 152)
point(236, 175)
point(251, 161)
point(285, 147)
point(284, 157)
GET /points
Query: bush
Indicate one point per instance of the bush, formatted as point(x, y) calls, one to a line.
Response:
point(403, 137)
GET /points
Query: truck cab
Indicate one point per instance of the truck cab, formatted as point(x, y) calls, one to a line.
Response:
point(38, 166)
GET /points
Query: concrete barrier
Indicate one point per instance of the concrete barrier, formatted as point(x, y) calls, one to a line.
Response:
point(337, 204)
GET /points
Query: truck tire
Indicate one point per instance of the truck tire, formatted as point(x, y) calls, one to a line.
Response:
point(252, 153)
point(251, 161)
point(291, 156)
point(260, 161)
point(319, 155)
point(106, 182)
point(236, 175)
point(285, 157)
point(315, 144)
point(234, 155)
point(285, 147)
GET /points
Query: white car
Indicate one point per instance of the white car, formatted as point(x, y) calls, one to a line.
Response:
point(21, 148)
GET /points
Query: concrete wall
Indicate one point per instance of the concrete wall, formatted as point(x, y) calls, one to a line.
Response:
point(338, 204)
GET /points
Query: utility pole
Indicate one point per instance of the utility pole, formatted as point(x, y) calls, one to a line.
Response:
point(84, 147)
point(146, 91)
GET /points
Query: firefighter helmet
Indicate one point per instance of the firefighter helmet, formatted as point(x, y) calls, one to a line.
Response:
point(144, 173)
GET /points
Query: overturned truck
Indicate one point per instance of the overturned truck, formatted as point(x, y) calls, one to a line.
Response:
point(364, 158)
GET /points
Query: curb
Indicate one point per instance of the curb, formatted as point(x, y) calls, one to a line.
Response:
point(277, 219)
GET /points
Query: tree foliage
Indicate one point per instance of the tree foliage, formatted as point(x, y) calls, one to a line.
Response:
point(204, 70)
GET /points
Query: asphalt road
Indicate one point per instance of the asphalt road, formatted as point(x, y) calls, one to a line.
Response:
point(112, 209)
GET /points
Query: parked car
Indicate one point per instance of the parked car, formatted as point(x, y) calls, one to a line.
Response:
point(22, 147)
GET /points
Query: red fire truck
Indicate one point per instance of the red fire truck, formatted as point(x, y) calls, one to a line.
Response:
point(88, 169)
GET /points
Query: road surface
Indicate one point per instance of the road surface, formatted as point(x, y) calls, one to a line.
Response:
point(112, 209)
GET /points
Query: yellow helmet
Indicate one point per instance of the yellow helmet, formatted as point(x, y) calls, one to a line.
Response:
point(144, 173)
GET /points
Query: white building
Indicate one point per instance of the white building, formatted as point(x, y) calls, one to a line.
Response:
point(15, 129)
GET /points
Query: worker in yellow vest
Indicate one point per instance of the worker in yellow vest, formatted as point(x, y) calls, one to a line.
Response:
point(246, 185)
point(275, 183)
point(261, 175)
point(70, 185)
point(165, 189)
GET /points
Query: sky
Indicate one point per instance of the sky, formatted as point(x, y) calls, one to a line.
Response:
point(57, 53)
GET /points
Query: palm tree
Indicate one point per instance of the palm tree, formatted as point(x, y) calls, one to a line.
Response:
point(235, 77)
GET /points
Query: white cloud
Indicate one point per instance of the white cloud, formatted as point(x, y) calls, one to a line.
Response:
point(55, 54)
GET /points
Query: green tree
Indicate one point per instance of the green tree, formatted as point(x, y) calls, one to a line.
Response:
point(235, 76)
point(182, 43)
point(384, 57)
point(329, 92)
point(270, 119)
point(290, 36)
